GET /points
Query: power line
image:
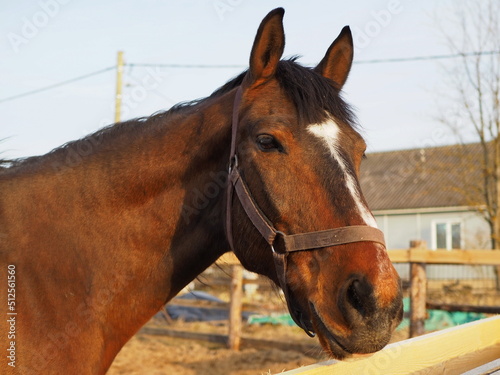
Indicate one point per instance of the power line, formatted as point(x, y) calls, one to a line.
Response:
point(233, 66)
point(62, 83)
point(431, 57)
point(373, 61)
point(187, 66)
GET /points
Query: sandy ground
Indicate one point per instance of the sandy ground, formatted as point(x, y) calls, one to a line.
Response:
point(146, 354)
point(156, 355)
point(162, 355)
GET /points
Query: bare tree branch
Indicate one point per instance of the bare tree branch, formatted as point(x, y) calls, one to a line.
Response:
point(474, 25)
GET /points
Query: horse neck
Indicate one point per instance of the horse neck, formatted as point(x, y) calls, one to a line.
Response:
point(126, 229)
point(174, 185)
point(198, 238)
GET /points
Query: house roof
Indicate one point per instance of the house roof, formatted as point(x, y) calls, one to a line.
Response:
point(448, 176)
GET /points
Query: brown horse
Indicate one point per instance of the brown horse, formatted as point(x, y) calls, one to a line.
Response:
point(98, 234)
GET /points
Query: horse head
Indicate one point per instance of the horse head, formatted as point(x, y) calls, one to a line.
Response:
point(297, 153)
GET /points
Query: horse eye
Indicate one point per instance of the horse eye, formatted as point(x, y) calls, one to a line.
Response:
point(268, 143)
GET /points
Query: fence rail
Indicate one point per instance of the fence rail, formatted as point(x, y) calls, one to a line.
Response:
point(422, 255)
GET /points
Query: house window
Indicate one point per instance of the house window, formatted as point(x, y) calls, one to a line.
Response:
point(447, 235)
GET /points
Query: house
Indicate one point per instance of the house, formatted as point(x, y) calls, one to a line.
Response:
point(432, 194)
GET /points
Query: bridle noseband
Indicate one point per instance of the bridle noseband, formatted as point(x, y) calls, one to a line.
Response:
point(281, 244)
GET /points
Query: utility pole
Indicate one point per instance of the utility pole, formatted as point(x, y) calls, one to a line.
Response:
point(119, 86)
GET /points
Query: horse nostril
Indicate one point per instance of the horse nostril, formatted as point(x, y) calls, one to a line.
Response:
point(359, 295)
point(353, 296)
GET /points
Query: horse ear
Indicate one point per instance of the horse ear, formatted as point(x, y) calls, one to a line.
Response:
point(338, 59)
point(267, 47)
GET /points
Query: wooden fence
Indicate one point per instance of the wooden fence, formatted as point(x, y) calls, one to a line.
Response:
point(418, 256)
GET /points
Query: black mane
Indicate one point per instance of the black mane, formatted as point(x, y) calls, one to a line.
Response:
point(311, 93)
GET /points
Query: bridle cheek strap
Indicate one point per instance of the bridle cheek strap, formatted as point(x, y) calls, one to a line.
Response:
point(281, 243)
point(233, 164)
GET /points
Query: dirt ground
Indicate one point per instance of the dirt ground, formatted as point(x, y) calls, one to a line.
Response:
point(162, 355)
point(155, 355)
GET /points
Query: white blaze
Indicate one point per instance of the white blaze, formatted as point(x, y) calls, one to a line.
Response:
point(329, 133)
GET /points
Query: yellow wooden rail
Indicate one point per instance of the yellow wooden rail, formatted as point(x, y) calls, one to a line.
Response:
point(228, 258)
point(486, 257)
point(475, 257)
point(450, 351)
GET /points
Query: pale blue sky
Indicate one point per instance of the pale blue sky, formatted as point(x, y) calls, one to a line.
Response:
point(47, 41)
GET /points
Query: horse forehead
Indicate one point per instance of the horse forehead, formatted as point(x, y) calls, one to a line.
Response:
point(328, 131)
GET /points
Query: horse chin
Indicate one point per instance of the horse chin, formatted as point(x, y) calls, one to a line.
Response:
point(330, 342)
point(337, 346)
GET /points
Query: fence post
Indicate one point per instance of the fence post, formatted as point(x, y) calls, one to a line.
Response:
point(235, 308)
point(119, 86)
point(418, 292)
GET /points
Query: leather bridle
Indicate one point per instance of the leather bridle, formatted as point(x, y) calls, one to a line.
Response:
point(282, 244)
